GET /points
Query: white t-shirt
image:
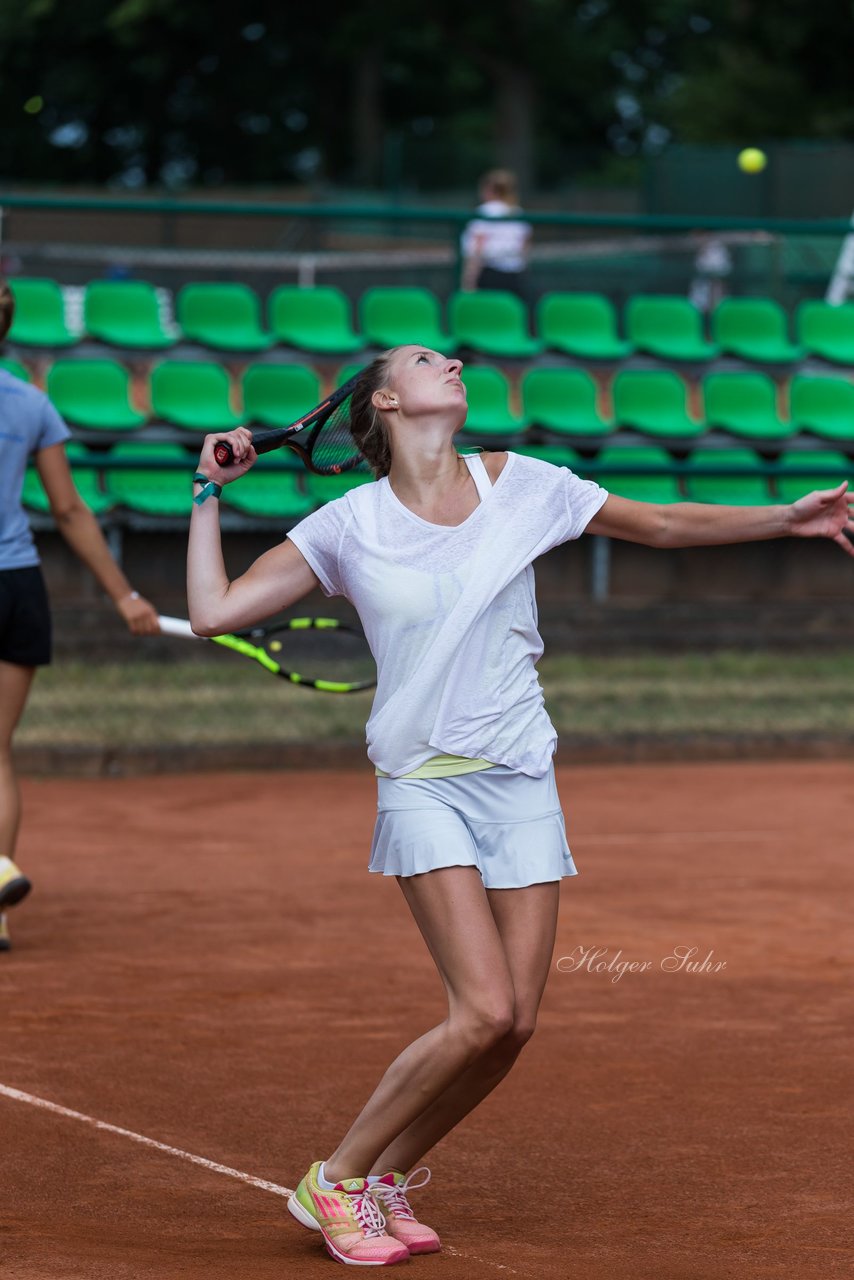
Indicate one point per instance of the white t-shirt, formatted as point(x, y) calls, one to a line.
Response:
point(504, 243)
point(449, 613)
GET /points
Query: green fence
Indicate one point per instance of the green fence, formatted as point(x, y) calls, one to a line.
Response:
point(263, 243)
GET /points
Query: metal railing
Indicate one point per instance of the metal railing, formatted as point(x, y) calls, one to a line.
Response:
point(402, 213)
point(779, 252)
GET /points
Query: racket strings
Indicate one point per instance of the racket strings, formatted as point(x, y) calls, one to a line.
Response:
point(333, 654)
point(332, 448)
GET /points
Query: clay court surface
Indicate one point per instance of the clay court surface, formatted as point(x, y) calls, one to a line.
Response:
point(206, 962)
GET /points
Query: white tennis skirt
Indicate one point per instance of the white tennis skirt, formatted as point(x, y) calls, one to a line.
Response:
point(504, 823)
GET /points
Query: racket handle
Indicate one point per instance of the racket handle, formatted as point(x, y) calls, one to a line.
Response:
point(176, 627)
point(262, 442)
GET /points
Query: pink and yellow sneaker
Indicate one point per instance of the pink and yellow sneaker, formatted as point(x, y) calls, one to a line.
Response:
point(352, 1225)
point(400, 1222)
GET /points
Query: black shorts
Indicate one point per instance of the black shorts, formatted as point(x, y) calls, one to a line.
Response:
point(514, 281)
point(25, 631)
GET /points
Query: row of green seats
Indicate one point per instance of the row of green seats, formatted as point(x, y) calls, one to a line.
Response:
point(153, 479)
point(228, 317)
point(649, 474)
point(657, 403)
point(96, 395)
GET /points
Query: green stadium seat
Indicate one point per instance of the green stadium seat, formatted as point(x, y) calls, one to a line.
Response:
point(618, 478)
point(397, 317)
point(94, 394)
point(744, 404)
point(313, 319)
point(557, 455)
point(754, 329)
point(146, 489)
point(821, 471)
point(737, 491)
point(39, 314)
point(269, 492)
point(581, 324)
point(327, 488)
point(275, 395)
point(671, 328)
point(33, 495)
point(16, 369)
point(654, 403)
point(87, 481)
point(827, 331)
point(824, 406)
point(126, 313)
point(563, 401)
point(493, 322)
point(224, 316)
point(489, 412)
point(194, 395)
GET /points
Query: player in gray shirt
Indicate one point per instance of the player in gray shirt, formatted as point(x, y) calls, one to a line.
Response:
point(31, 428)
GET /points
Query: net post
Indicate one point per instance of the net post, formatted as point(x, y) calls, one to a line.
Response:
point(307, 271)
point(114, 534)
point(600, 568)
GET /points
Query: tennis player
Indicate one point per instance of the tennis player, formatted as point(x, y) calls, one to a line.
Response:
point(495, 243)
point(30, 427)
point(437, 558)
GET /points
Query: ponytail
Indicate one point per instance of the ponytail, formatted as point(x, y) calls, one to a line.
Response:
point(366, 421)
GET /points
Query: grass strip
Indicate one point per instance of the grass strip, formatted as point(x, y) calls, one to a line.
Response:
point(224, 700)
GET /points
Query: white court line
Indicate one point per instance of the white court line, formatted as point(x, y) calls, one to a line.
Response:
point(17, 1095)
point(469, 1257)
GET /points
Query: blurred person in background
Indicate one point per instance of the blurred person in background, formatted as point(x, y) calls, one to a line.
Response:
point(712, 269)
point(30, 427)
point(495, 253)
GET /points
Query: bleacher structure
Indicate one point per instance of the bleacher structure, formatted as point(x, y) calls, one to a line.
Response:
point(748, 405)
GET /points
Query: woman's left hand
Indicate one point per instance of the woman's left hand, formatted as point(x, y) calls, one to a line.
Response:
point(825, 513)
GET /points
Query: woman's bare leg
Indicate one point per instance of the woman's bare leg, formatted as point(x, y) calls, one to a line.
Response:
point(451, 909)
point(527, 921)
point(15, 684)
point(493, 950)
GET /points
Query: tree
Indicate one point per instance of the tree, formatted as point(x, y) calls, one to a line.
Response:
point(137, 92)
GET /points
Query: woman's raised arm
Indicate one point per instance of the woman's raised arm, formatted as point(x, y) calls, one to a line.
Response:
point(277, 579)
point(824, 513)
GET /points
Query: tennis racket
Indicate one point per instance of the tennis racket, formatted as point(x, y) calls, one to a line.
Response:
point(326, 445)
point(337, 653)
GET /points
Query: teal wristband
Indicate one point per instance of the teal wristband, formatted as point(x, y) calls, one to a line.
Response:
point(210, 490)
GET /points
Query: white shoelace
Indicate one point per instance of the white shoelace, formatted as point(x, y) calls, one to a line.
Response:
point(394, 1198)
point(368, 1213)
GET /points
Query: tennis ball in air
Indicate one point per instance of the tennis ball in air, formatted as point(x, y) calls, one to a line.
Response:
point(752, 160)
